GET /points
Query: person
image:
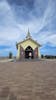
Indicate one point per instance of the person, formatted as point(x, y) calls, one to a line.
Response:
point(30, 54)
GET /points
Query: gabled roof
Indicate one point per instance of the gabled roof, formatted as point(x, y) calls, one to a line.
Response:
point(28, 37)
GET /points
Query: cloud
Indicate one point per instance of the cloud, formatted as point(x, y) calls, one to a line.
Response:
point(16, 16)
point(9, 31)
point(47, 37)
point(36, 24)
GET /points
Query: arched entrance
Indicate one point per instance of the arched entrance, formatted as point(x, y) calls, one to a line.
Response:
point(29, 52)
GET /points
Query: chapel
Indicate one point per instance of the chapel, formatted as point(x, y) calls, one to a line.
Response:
point(28, 48)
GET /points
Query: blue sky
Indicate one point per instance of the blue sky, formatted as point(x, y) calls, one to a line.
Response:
point(16, 16)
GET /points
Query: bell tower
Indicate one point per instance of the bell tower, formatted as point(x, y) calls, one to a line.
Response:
point(28, 34)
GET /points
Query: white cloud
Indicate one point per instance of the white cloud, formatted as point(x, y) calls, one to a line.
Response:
point(45, 37)
point(37, 24)
point(9, 31)
point(12, 31)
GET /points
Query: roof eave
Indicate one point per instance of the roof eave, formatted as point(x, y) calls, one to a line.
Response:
point(26, 40)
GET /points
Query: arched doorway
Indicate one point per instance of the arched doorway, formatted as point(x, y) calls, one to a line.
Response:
point(29, 52)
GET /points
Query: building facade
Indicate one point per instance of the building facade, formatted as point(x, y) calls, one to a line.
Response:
point(28, 48)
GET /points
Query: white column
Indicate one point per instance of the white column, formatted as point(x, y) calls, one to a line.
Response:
point(39, 55)
point(18, 53)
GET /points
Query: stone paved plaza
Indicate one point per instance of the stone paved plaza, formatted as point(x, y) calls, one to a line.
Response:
point(28, 80)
